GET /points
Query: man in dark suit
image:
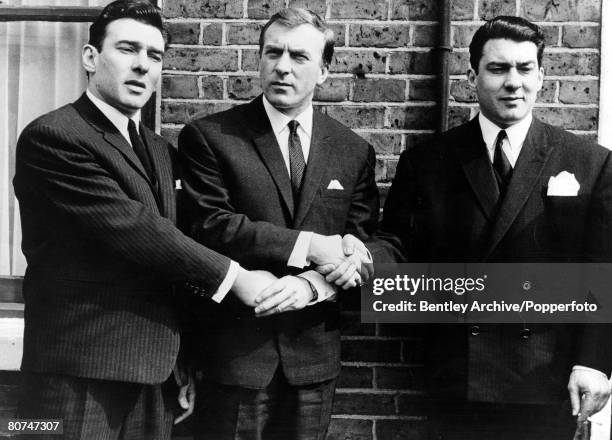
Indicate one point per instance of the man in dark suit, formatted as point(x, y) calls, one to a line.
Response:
point(272, 183)
point(488, 191)
point(96, 193)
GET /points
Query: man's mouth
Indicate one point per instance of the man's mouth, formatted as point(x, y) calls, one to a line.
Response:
point(136, 84)
point(281, 84)
point(512, 98)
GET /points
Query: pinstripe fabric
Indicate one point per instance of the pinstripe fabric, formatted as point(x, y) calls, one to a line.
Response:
point(94, 409)
point(102, 250)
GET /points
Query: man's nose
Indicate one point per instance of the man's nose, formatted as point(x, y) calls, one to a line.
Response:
point(513, 79)
point(141, 62)
point(283, 64)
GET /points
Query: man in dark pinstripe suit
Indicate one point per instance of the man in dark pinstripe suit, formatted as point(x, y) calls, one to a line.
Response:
point(96, 194)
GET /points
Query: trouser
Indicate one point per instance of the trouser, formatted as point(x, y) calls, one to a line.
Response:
point(96, 409)
point(279, 411)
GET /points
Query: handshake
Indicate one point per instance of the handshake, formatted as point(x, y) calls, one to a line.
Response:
point(343, 261)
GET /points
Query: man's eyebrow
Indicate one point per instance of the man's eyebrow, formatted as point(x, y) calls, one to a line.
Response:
point(298, 51)
point(507, 64)
point(273, 46)
point(138, 45)
point(130, 42)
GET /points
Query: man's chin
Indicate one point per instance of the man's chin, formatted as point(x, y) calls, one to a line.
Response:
point(278, 100)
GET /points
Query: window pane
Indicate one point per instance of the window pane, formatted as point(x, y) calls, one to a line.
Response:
point(40, 70)
point(55, 2)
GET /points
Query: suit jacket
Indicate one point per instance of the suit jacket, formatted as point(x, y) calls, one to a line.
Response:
point(102, 250)
point(443, 207)
point(242, 204)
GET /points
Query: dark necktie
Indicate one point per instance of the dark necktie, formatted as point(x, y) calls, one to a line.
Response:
point(141, 151)
point(501, 164)
point(297, 165)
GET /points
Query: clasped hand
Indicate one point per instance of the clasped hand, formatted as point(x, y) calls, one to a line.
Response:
point(269, 295)
point(344, 262)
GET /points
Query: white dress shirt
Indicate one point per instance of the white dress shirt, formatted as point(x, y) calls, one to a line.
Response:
point(299, 254)
point(513, 143)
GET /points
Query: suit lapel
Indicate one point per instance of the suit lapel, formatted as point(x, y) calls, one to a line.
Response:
point(99, 122)
point(472, 154)
point(318, 162)
point(529, 166)
point(269, 151)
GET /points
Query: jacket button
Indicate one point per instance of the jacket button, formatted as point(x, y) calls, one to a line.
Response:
point(475, 330)
point(525, 333)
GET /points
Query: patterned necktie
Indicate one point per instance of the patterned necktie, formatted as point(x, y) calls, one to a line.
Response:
point(141, 151)
point(501, 164)
point(297, 165)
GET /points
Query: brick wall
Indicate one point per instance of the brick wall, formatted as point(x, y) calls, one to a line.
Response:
point(382, 85)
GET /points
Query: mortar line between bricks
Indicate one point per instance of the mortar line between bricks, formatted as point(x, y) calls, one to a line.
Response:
point(537, 105)
point(347, 36)
point(332, 21)
point(336, 75)
point(474, 22)
point(547, 77)
point(400, 49)
point(571, 50)
point(376, 417)
point(170, 125)
point(380, 391)
point(381, 104)
point(539, 23)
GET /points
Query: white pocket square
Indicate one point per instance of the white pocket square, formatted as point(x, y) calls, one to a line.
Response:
point(334, 184)
point(563, 184)
point(177, 184)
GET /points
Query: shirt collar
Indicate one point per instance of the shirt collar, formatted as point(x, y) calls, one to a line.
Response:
point(279, 120)
point(516, 133)
point(118, 119)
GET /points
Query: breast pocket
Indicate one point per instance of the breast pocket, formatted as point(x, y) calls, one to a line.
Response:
point(332, 207)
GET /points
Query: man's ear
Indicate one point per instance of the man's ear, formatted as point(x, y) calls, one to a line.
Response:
point(323, 72)
point(471, 77)
point(540, 78)
point(89, 58)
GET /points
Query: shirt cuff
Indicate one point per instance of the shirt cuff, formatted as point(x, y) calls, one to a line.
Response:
point(227, 283)
point(326, 291)
point(299, 254)
point(582, 367)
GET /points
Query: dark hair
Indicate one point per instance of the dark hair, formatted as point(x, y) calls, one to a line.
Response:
point(293, 17)
point(505, 27)
point(139, 10)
